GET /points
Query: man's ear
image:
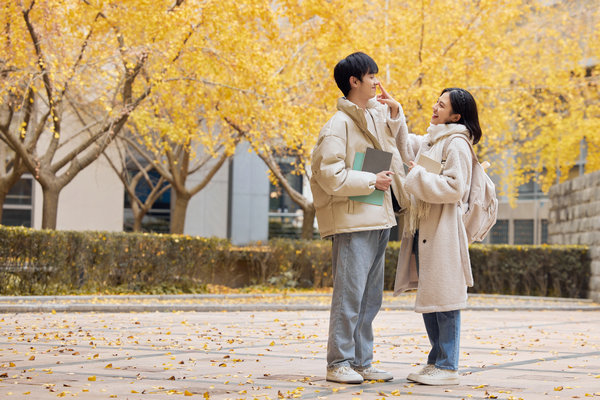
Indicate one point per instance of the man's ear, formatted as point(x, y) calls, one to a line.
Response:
point(353, 81)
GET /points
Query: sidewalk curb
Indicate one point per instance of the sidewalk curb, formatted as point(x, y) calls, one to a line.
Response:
point(131, 308)
point(234, 302)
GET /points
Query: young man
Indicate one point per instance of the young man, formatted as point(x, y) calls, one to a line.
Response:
point(359, 230)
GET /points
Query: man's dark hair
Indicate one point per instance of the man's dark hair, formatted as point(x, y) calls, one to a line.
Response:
point(356, 64)
point(463, 103)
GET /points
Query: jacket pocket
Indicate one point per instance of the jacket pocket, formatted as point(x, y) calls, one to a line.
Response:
point(320, 197)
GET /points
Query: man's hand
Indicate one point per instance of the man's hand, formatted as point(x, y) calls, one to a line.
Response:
point(384, 180)
point(385, 98)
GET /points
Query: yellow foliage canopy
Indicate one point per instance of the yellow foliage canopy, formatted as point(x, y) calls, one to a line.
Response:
point(532, 67)
point(263, 70)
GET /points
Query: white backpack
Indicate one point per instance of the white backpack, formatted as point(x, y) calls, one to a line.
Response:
point(481, 215)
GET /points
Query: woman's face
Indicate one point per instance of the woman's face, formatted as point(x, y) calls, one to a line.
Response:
point(442, 111)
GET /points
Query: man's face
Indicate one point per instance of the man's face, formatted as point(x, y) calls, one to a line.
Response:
point(367, 87)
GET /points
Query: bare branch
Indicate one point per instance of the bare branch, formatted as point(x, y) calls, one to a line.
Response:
point(43, 67)
point(79, 57)
point(296, 196)
point(468, 28)
point(207, 82)
point(207, 178)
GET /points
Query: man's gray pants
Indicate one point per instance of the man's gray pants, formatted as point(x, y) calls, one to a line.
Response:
point(358, 265)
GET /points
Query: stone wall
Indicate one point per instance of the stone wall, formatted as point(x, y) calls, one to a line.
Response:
point(575, 219)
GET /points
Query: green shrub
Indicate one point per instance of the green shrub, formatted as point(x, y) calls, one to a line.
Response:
point(52, 262)
point(59, 262)
point(546, 270)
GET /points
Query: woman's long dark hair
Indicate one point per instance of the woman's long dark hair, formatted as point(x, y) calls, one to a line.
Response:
point(463, 103)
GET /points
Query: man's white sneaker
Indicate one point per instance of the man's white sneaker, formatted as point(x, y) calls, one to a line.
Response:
point(436, 376)
point(413, 376)
point(343, 374)
point(373, 374)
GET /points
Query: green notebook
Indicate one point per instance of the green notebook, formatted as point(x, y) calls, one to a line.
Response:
point(377, 196)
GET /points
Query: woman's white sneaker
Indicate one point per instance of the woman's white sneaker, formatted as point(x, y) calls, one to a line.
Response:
point(437, 376)
point(413, 376)
point(343, 374)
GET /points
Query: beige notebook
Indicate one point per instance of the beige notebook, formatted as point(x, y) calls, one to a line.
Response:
point(429, 164)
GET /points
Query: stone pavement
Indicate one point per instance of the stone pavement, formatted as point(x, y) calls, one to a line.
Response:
point(273, 346)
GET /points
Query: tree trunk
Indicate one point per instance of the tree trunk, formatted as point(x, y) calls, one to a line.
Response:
point(50, 206)
point(178, 215)
point(308, 222)
point(138, 216)
point(3, 194)
point(137, 223)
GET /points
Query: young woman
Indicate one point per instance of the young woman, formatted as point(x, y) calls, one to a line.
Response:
point(434, 255)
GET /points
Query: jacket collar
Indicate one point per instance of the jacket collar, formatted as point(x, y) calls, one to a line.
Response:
point(358, 116)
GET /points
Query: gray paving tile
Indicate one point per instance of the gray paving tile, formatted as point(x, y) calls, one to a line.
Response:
point(281, 354)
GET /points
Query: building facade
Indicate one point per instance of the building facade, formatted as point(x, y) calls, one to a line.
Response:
point(233, 205)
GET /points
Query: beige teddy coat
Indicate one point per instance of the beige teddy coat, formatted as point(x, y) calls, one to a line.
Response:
point(444, 264)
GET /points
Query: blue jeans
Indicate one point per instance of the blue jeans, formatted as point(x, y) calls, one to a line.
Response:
point(358, 263)
point(443, 329)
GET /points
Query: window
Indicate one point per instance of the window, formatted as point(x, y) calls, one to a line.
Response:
point(530, 190)
point(499, 232)
point(18, 205)
point(285, 216)
point(544, 231)
point(523, 231)
point(158, 219)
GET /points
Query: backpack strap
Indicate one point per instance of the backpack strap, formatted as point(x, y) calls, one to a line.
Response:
point(447, 143)
point(445, 153)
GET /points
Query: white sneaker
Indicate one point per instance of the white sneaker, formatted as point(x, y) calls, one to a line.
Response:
point(413, 376)
point(373, 374)
point(343, 374)
point(436, 376)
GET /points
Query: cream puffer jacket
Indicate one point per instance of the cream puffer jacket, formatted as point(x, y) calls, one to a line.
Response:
point(333, 180)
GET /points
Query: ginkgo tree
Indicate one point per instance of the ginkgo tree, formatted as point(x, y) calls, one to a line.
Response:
point(141, 186)
point(227, 72)
point(72, 74)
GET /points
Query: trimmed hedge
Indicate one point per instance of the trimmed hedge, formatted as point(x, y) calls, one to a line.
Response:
point(546, 270)
point(60, 262)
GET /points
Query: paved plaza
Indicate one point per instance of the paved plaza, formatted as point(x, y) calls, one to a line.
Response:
point(273, 347)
